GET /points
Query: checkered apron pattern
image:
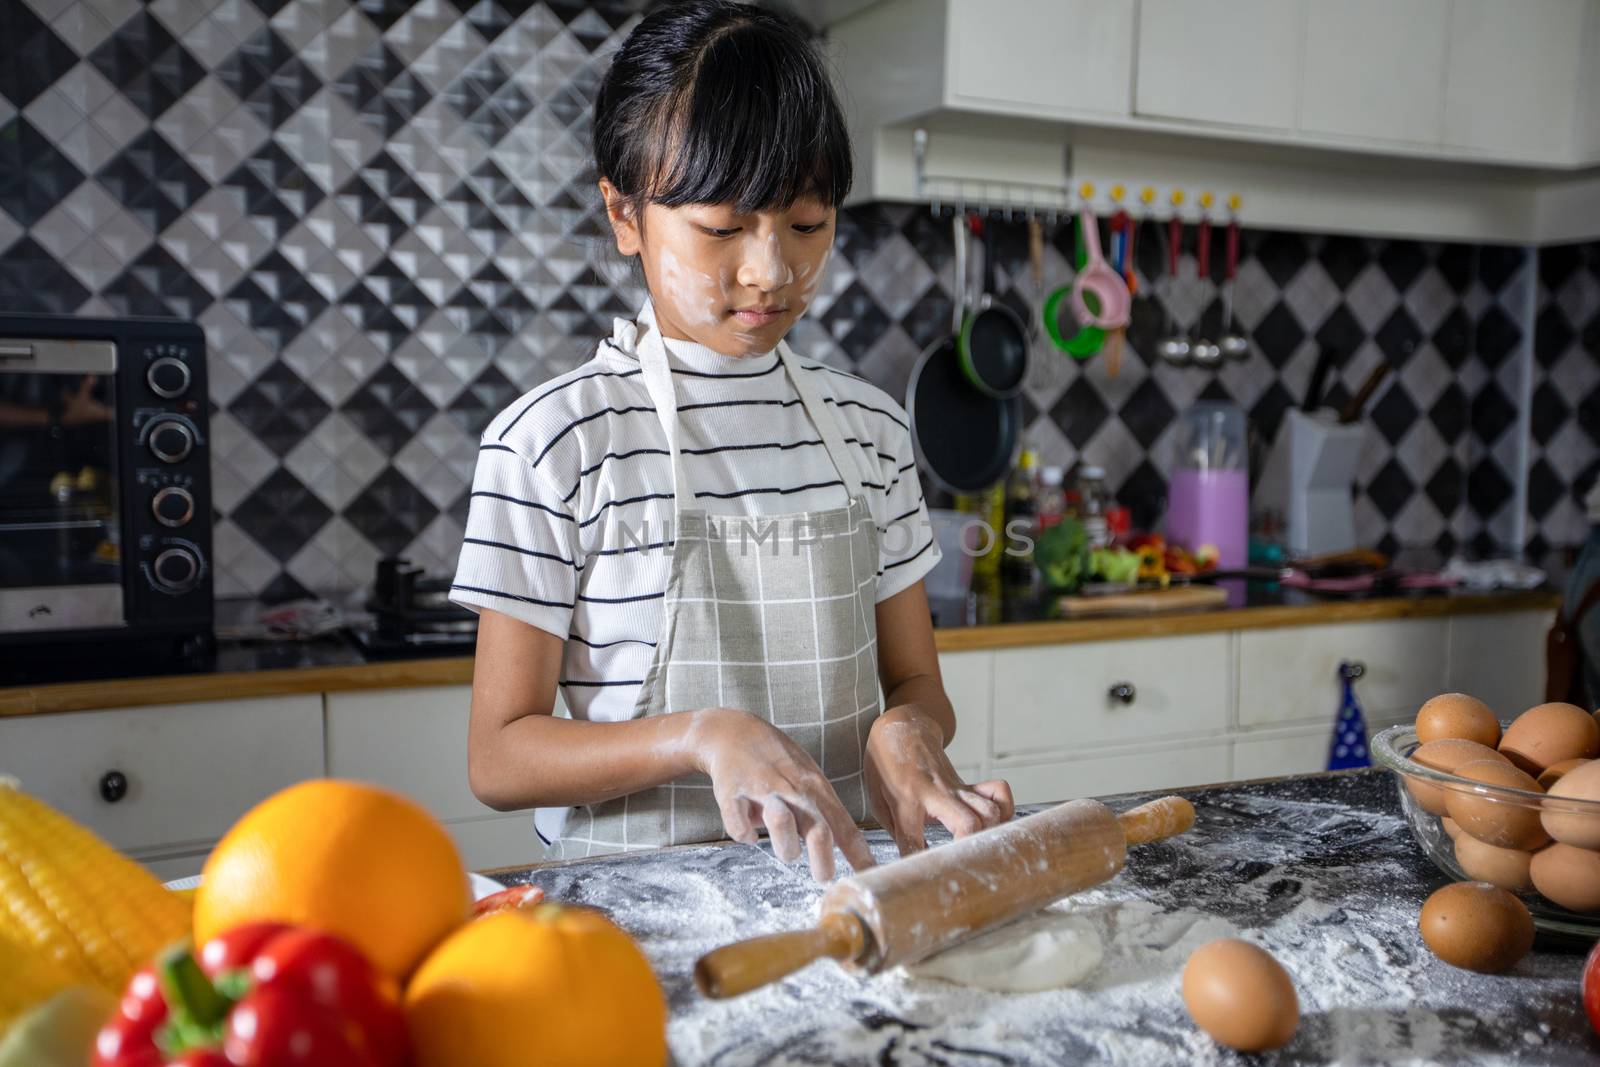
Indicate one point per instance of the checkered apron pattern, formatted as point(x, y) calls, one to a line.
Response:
point(775, 615)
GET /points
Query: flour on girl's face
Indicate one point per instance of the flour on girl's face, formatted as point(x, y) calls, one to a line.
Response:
point(698, 280)
point(701, 296)
point(776, 266)
point(693, 293)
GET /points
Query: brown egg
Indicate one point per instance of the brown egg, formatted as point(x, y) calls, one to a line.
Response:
point(1503, 867)
point(1477, 927)
point(1569, 877)
point(1553, 773)
point(1492, 820)
point(1579, 828)
point(1445, 755)
point(1448, 825)
point(1545, 735)
point(1241, 996)
point(1459, 716)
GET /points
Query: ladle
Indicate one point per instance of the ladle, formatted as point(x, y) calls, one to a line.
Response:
point(1234, 344)
point(1173, 348)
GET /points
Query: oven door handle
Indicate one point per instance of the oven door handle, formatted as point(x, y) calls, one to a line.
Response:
point(11, 351)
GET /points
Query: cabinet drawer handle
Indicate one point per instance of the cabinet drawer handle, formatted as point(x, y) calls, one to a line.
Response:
point(1352, 670)
point(1123, 693)
point(113, 786)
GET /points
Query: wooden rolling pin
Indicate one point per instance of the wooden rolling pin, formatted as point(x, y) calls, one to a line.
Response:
point(908, 910)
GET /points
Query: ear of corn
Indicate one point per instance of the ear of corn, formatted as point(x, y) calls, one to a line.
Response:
point(71, 899)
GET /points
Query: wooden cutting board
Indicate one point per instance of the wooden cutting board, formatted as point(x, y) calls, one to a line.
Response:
point(1149, 602)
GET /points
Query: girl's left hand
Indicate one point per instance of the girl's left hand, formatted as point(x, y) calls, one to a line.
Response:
point(911, 783)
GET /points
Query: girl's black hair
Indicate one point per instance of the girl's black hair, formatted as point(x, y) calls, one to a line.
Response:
point(714, 102)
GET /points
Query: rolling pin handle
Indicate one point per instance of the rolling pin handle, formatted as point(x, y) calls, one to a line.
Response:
point(748, 965)
point(1157, 820)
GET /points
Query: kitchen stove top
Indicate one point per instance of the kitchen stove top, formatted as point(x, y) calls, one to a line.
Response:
point(412, 616)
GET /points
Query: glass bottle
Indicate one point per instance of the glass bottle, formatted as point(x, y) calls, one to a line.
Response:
point(1019, 578)
point(1051, 503)
point(1094, 502)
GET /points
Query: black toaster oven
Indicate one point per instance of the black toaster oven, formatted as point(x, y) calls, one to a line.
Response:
point(105, 485)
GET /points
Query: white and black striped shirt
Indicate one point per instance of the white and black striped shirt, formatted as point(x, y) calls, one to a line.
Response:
point(574, 477)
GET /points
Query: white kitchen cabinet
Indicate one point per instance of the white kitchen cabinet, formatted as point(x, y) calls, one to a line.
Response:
point(967, 678)
point(1301, 752)
point(1047, 57)
point(1375, 69)
point(414, 741)
point(411, 740)
point(1500, 659)
point(1121, 772)
point(1273, 753)
point(1064, 697)
point(1229, 62)
point(1589, 89)
point(190, 769)
point(1302, 107)
point(182, 865)
point(502, 841)
point(1291, 674)
point(1510, 86)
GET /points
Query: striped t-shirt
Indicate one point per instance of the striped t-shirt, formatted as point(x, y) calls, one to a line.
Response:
point(572, 499)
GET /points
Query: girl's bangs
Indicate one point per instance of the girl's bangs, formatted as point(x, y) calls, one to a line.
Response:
point(759, 128)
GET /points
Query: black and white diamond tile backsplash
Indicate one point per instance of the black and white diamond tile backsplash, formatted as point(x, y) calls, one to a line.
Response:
point(380, 212)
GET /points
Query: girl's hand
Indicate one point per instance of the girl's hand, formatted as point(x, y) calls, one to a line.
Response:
point(760, 777)
point(911, 783)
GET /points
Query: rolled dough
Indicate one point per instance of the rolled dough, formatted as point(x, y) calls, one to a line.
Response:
point(1041, 952)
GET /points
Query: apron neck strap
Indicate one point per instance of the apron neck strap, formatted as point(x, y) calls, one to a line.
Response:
point(642, 338)
point(807, 383)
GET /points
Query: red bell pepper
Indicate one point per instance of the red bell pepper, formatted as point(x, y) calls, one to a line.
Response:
point(260, 995)
point(1148, 540)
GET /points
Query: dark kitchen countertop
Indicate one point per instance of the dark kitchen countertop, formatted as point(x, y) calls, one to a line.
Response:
point(1321, 870)
point(242, 669)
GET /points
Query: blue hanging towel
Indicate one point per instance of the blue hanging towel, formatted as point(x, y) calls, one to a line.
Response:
point(1349, 747)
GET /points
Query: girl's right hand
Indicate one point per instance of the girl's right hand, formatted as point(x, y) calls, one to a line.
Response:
point(762, 778)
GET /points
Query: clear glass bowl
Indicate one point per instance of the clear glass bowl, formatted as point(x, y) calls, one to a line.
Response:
point(1392, 749)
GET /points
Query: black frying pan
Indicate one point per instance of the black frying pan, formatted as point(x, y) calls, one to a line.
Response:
point(964, 440)
point(993, 345)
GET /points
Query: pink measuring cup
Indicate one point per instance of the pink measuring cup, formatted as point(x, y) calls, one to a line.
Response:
point(1098, 277)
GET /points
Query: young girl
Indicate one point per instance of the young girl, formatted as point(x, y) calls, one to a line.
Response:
point(715, 547)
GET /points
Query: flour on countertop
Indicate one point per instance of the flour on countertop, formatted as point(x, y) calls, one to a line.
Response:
point(1331, 890)
point(1045, 951)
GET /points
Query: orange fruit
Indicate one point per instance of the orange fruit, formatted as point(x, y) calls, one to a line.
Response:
point(355, 860)
point(558, 986)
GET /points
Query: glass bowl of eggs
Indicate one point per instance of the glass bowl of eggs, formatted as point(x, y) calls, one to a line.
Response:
point(1515, 804)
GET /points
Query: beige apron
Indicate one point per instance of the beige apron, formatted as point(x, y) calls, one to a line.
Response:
point(774, 615)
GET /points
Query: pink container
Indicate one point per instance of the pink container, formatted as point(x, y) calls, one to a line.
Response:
point(1211, 507)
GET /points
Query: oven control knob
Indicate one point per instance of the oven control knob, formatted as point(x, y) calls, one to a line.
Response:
point(176, 570)
point(172, 506)
point(168, 377)
point(170, 440)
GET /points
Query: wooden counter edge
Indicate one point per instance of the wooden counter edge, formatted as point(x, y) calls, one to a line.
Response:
point(232, 685)
point(1024, 634)
point(242, 685)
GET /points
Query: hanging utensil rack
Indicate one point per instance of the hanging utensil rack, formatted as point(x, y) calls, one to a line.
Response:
point(1050, 202)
